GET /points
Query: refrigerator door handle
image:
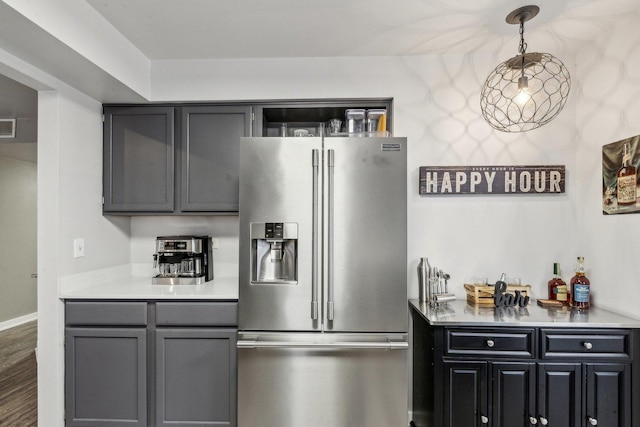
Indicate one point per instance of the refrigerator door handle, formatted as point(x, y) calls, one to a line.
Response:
point(341, 345)
point(330, 226)
point(314, 256)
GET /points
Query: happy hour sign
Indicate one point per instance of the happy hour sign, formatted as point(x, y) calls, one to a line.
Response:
point(446, 180)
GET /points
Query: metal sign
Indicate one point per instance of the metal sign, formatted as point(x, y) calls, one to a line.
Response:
point(449, 180)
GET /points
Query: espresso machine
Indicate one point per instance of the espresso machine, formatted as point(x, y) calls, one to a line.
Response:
point(183, 260)
point(274, 252)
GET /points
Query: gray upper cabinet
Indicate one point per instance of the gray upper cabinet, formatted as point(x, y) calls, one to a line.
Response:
point(138, 159)
point(180, 158)
point(155, 165)
point(310, 114)
point(210, 156)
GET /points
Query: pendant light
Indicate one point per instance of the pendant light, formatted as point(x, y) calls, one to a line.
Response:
point(526, 91)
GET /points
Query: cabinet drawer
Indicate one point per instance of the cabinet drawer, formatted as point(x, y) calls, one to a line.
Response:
point(490, 342)
point(115, 313)
point(596, 343)
point(196, 313)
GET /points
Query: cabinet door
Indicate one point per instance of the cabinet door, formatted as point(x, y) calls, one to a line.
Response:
point(513, 394)
point(106, 372)
point(138, 159)
point(465, 394)
point(196, 377)
point(608, 395)
point(559, 394)
point(210, 165)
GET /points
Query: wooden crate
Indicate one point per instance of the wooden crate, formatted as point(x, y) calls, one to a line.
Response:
point(483, 294)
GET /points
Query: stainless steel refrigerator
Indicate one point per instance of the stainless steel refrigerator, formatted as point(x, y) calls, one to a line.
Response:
point(323, 316)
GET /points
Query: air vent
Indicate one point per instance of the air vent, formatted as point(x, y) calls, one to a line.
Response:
point(7, 128)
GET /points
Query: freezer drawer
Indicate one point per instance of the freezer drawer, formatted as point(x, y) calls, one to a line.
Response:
point(335, 380)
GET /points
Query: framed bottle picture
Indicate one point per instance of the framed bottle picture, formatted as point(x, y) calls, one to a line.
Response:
point(620, 164)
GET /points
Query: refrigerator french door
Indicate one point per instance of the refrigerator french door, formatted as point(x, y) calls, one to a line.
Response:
point(323, 301)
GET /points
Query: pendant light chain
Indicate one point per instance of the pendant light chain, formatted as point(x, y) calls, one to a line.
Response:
point(523, 46)
point(522, 49)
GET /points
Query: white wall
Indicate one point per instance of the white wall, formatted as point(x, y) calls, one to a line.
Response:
point(69, 192)
point(145, 229)
point(80, 191)
point(608, 111)
point(19, 239)
point(436, 105)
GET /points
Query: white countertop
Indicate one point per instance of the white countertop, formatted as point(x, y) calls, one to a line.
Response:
point(130, 281)
point(123, 282)
point(220, 288)
point(462, 313)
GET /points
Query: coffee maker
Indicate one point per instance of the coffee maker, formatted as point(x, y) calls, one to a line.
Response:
point(183, 260)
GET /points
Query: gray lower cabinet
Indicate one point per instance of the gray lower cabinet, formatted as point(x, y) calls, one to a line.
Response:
point(195, 377)
point(138, 363)
point(106, 377)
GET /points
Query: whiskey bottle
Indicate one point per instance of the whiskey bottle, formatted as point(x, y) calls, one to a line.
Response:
point(581, 287)
point(557, 286)
point(627, 178)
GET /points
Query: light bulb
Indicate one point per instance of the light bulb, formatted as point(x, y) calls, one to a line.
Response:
point(523, 95)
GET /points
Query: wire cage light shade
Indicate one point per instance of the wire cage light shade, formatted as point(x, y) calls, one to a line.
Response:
point(526, 91)
point(507, 108)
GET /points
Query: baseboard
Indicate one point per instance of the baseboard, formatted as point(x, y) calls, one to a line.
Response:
point(8, 324)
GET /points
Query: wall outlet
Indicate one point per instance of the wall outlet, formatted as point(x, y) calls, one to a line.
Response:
point(214, 243)
point(78, 248)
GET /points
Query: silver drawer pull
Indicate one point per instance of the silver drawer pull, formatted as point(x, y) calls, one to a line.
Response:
point(533, 421)
point(588, 346)
point(491, 343)
point(484, 419)
point(544, 421)
point(592, 421)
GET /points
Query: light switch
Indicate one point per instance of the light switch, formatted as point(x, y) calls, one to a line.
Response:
point(78, 248)
point(214, 243)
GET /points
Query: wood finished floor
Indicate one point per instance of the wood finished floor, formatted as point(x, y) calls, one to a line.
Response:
point(18, 377)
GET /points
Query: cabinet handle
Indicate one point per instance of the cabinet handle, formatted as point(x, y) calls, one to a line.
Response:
point(588, 346)
point(484, 419)
point(491, 343)
point(544, 421)
point(533, 420)
point(592, 421)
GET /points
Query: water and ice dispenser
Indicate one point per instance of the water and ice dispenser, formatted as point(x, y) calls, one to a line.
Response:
point(274, 253)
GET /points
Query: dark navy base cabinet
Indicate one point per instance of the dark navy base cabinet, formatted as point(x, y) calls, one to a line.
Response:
point(497, 376)
point(138, 363)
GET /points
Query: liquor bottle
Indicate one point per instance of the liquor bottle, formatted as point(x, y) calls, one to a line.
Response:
point(581, 287)
point(557, 286)
point(627, 178)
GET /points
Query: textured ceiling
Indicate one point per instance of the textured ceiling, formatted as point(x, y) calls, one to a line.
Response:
point(211, 29)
